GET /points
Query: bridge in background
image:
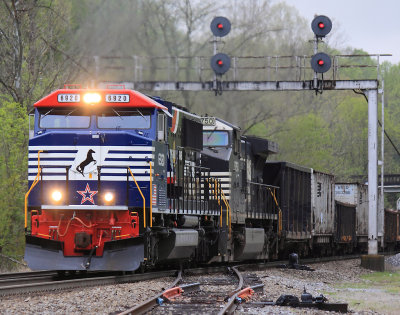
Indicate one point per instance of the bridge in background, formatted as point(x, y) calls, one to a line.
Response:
point(391, 182)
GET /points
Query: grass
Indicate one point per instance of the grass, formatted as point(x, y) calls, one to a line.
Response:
point(387, 281)
point(378, 291)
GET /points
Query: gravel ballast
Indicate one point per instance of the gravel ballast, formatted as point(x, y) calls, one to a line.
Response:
point(328, 278)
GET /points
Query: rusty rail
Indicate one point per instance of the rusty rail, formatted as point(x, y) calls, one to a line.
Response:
point(153, 301)
point(230, 305)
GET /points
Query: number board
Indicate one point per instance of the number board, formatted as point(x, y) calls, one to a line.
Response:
point(68, 98)
point(117, 98)
point(208, 121)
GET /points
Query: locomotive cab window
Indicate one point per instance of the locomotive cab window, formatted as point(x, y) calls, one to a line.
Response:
point(215, 138)
point(124, 119)
point(63, 119)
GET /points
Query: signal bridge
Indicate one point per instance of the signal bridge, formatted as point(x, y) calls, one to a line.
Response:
point(263, 73)
point(195, 73)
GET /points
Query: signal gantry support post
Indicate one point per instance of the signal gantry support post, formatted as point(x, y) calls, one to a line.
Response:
point(373, 260)
point(372, 171)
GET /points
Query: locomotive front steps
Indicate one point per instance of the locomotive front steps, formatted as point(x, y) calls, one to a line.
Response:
point(373, 262)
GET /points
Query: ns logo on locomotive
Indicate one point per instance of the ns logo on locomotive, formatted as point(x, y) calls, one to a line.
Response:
point(119, 180)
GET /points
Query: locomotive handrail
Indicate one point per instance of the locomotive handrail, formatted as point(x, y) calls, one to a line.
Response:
point(272, 190)
point(280, 211)
point(265, 185)
point(36, 180)
point(151, 196)
point(144, 200)
point(228, 208)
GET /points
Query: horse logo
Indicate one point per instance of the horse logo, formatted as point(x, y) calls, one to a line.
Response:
point(89, 159)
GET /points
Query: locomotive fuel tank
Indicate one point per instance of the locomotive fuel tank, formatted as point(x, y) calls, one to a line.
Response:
point(178, 244)
point(250, 244)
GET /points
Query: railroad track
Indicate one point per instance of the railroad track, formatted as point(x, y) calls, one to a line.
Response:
point(201, 294)
point(42, 281)
point(32, 274)
point(23, 285)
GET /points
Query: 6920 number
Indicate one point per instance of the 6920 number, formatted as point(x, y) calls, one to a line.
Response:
point(117, 98)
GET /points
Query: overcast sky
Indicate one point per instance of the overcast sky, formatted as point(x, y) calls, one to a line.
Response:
point(372, 25)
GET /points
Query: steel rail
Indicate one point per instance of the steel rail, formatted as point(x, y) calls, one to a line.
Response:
point(7, 282)
point(16, 275)
point(151, 302)
point(91, 280)
point(80, 283)
point(230, 306)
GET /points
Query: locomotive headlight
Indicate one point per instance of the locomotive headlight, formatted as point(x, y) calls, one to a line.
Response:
point(56, 195)
point(91, 98)
point(109, 197)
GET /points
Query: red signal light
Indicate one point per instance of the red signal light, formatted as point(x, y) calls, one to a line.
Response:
point(321, 25)
point(320, 62)
point(220, 26)
point(220, 62)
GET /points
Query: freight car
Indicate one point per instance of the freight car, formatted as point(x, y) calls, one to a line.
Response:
point(119, 181)
point(391, 229)
point(312, 222)
point(356, 195)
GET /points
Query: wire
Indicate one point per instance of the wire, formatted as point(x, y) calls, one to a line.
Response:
point(69, 222)
point(380, 124)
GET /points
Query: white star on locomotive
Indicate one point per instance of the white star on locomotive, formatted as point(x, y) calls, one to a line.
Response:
point(87, 194)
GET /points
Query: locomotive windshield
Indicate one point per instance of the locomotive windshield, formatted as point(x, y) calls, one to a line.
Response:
point(63, 119)
point(124, 119)
point(215, 138)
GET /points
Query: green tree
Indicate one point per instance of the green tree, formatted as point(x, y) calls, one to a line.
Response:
point(350, 137)
point(33, 53)
point(13, 170)
point(306, 141)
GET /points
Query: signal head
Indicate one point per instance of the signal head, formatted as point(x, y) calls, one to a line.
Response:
point(220, 26)
point(321, 25)
point(220, 63)
point(321, 62)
